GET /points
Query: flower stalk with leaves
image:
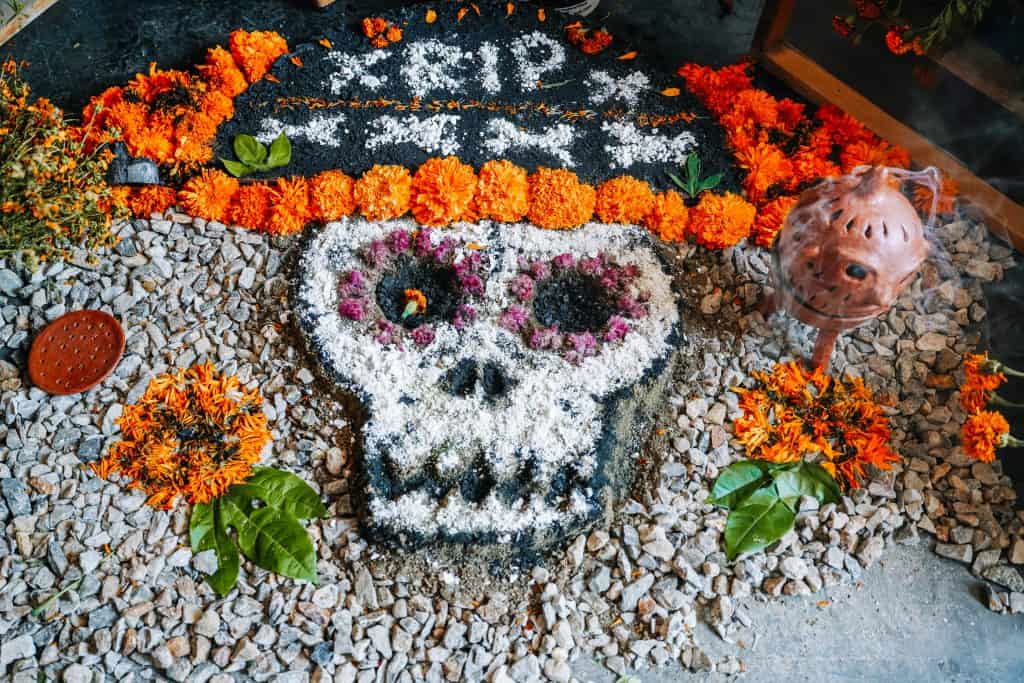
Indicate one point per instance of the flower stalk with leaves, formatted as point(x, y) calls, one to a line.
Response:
point(985, 431)
point(254, 156)
point(692, 183)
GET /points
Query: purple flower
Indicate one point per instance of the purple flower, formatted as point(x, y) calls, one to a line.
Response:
point(464, 315)
point(513, 318)
point(423, 335)
point(470, 263)
point(583, 343)
point(385, 332)
point(521, 287)
point(545, 338)
point(630, 307)
point(375, 253)
point(563, 261)
point(540, 270)
point(592, 266)
point(422, 244)
point(631, 271)
point(351, 309)
point(352, 283)
point(399, 241)
point(618, 328)
point(443, 250)
point(472, 283)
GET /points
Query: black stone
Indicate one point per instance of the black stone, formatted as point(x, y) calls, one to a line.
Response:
point(128, 170)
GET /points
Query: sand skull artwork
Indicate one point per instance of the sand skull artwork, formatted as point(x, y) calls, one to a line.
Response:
point(509, 374)
point(849, 247)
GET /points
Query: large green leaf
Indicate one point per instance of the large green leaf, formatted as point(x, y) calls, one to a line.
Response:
point(280, 152)
point(737, 481)
point(200, 525)
point(806, 479)
point(208, 532)
point(757, 522)
point(237, 168)
point(285, 491)
point(249, 150)
point(276, 541)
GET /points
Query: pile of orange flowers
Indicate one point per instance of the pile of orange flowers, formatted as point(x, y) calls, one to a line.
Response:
point(984, 431)
point(171, 117)
point(445, 191)
point(194, 433)
point(381, 32)
point(591, 42)
point(794, 412)
point(780, 148)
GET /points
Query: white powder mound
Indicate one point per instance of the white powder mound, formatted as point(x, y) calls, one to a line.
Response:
point(529, 53)
point(321, 129)
point(354, 68)
point(631, 146)
point(552, 412)
point(430, 65)
point(432, 134)
point(491, 82)
point(501, 135)
point(607, 88)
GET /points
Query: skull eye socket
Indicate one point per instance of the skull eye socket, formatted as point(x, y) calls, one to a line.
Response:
point(438, 282)
point(856, 271)
point(573, 301)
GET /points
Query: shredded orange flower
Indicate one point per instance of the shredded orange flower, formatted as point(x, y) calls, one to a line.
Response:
point(558, 200)
point(384, 192)
point(981, 380)
point(626, 56)
point(290, 210)
point(256, 51)
point(208, 195)
point(442, 191)
point(770, 219)
point(623, 200)
point(502, 192)
point(946, 203)
point(149, 199)
point(193, 434)
point(431, 16)
point(668, 217)
point(374, 26)
point(721, 221)
point(331, 195)
point(417, 296)
point(982, 433)
point(393, 34)
point(252, 206)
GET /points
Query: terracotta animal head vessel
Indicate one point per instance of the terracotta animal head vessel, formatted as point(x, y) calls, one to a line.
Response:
point(849, 247)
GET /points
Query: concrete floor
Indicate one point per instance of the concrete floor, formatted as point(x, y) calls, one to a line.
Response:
point(914, 617)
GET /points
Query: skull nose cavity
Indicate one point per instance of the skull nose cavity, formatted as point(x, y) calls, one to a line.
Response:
point(464, 379)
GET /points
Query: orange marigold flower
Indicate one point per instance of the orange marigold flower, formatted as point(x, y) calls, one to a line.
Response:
point(162, 452)
point(895, 42)
point(623, 200)
point(209, 194)
point(982, 377)
point(945, 204)
point(770, 219)
point(256, 51)
point(717, 89)
point(720, 221)
point(331, 195)
point(222, 73)
point(393, 34)
point(502, 192)
point(982, 433)
point(442, 191)
point(668, 217)
point(558, 200)
point(384, 192)
point(290, 210)
point(157, 82)
point(252, 206)
point(766, 165)
point(149, 199)
point(873, 153)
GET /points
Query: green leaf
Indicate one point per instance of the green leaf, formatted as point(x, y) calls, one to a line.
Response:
point(249, 150)
point(677, 180)
point(806, 479)
point(280, 152)
point(276, 541)
point(757, 522)
point(710, 182)
point(207, 531)
point(200, 525)
point(693, 167)
point(285, 491)
point(236, 168)
point(737, 481)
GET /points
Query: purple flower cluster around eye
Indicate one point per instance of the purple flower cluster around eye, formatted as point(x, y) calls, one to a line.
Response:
point(354, 293)
point(618, 282)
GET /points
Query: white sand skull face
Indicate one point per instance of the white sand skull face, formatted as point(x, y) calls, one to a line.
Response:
point(477, 437)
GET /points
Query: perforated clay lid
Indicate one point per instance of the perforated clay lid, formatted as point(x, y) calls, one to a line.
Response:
point(76, 352)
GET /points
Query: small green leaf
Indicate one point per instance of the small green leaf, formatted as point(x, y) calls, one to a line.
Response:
point(693, 167)
point(677, 180)
point(284, 491)
point(200, 525)
point(280, 152)
point(757, 522)
point(207, 531)
point(276, 541)
point(236, 168)
point(807, 479)
point(710, 182)
point(249, 150)
point(736, 482)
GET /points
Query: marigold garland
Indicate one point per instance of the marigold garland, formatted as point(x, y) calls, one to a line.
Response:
point(502, 191)
point(982, 433)
point(290, 210)
point(251, 205)
point(209, 194)
point(793, 413)
point(442, 191)
point(770, 220)
point(558, 200)
point(668, 218)
point(623, 200)
point(194, 433)
point(721, 221)
point(331, 196)
point(384, 192)
point(147, 200)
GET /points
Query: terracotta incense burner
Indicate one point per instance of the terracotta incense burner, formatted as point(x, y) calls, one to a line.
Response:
point(848, 249)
